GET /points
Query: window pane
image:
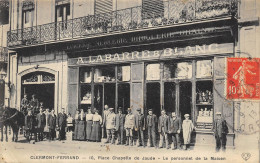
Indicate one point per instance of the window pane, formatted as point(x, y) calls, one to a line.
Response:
point(181, 70)
point(86, 94)
point(104, 74)
point(153, 72)
point(204, 69)
point(85, 75)
point(123, 73)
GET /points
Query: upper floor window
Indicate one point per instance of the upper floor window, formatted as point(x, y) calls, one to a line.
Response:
point(62, 10)
point(27, 13)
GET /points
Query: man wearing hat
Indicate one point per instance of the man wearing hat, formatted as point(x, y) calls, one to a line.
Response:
point(163, 129)
point(174, 129)
point(140, 126)
point(129, 126)
point(62, 122)
point(111, 126)
point(34, 103)
point(120, 120)
point(220, 132)
point(151, 124)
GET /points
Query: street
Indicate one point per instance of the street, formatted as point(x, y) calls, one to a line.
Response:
point(82, 151)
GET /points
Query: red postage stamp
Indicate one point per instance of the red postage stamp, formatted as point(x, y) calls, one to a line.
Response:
point(243, 80)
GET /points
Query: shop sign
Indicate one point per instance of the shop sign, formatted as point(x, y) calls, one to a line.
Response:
point(168, 53)
point(111, 41)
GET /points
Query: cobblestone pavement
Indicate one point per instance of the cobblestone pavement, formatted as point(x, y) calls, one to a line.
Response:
point(82, 151)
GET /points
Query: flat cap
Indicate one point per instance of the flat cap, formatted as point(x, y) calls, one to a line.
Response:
point(138, 109)
point(218, 113)
point(186, 115)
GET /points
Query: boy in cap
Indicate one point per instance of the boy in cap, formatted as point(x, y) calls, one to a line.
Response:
point(220, 132)
point(129, 126)
point(140, 126)
point(111, 126)
point(120, 120)
point(151, 124)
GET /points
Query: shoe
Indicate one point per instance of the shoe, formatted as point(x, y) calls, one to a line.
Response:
point(174, 148)
point(118, 143)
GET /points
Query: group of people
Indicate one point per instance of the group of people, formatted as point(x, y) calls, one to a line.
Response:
point(91, 126)
point(45, 124)
point(166, 126)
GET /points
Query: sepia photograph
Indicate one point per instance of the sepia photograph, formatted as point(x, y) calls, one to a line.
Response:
point(130, 81)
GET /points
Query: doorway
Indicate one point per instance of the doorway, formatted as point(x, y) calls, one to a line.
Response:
point(169, 97)
point(44, 93)
point(185, 102)
point(124, 96)
point(153, 97)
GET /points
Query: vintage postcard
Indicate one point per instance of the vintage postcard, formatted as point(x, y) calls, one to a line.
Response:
point(129, 81)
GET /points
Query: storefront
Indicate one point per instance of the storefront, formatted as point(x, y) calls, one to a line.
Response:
point(185, 77)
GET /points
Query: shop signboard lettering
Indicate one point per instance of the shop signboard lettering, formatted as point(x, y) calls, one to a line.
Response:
point(144, 38)
point(168, 53)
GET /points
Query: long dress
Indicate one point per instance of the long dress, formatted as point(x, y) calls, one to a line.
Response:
point(89, 122)
point(75, 137)
point(187, 127)
point(81, 135)
point(96, 129)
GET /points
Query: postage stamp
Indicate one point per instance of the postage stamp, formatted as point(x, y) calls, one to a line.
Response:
point(243, 80)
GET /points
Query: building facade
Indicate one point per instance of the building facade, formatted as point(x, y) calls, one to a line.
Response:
point(145, 54)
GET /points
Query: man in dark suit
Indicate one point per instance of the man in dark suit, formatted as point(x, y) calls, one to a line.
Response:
point(34, 103)
point(41, 122)
point(52, 125)
point(220, 132)
point(29, 126)
point(120, 120)
point(61, 122)
point(174, 129)
point(151, 124)
point(163, 129)
point(139, 126)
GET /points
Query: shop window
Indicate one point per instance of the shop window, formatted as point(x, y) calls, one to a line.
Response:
point(98, 97)
point(86, 95)
point(153, 71)
point(169, 97)
point(204, 104)
point(204, 69)
point(182, 70)
point(104, 74)
point(123, 73)
point(85, 75)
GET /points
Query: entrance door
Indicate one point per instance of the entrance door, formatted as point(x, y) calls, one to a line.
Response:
point(110, 94)
point(153, 97)
point(185, 99)
point(124, 96)
point(44, 93)
point(170, 97)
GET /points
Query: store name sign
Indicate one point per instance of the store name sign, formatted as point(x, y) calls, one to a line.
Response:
point(189, 51)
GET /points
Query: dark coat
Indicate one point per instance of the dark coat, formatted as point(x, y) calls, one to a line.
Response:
point(220, 127)
point(29, 122)
point(139, 121)
point(120, 121)
point(41, 120)
point(52, 121)
point(151, 120)
point(62, 120)
point(163, 122)
point(174, 125)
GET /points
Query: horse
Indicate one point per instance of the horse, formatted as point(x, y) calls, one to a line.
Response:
point(13, 118)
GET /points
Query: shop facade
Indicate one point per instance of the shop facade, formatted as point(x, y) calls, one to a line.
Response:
point(160, 70)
